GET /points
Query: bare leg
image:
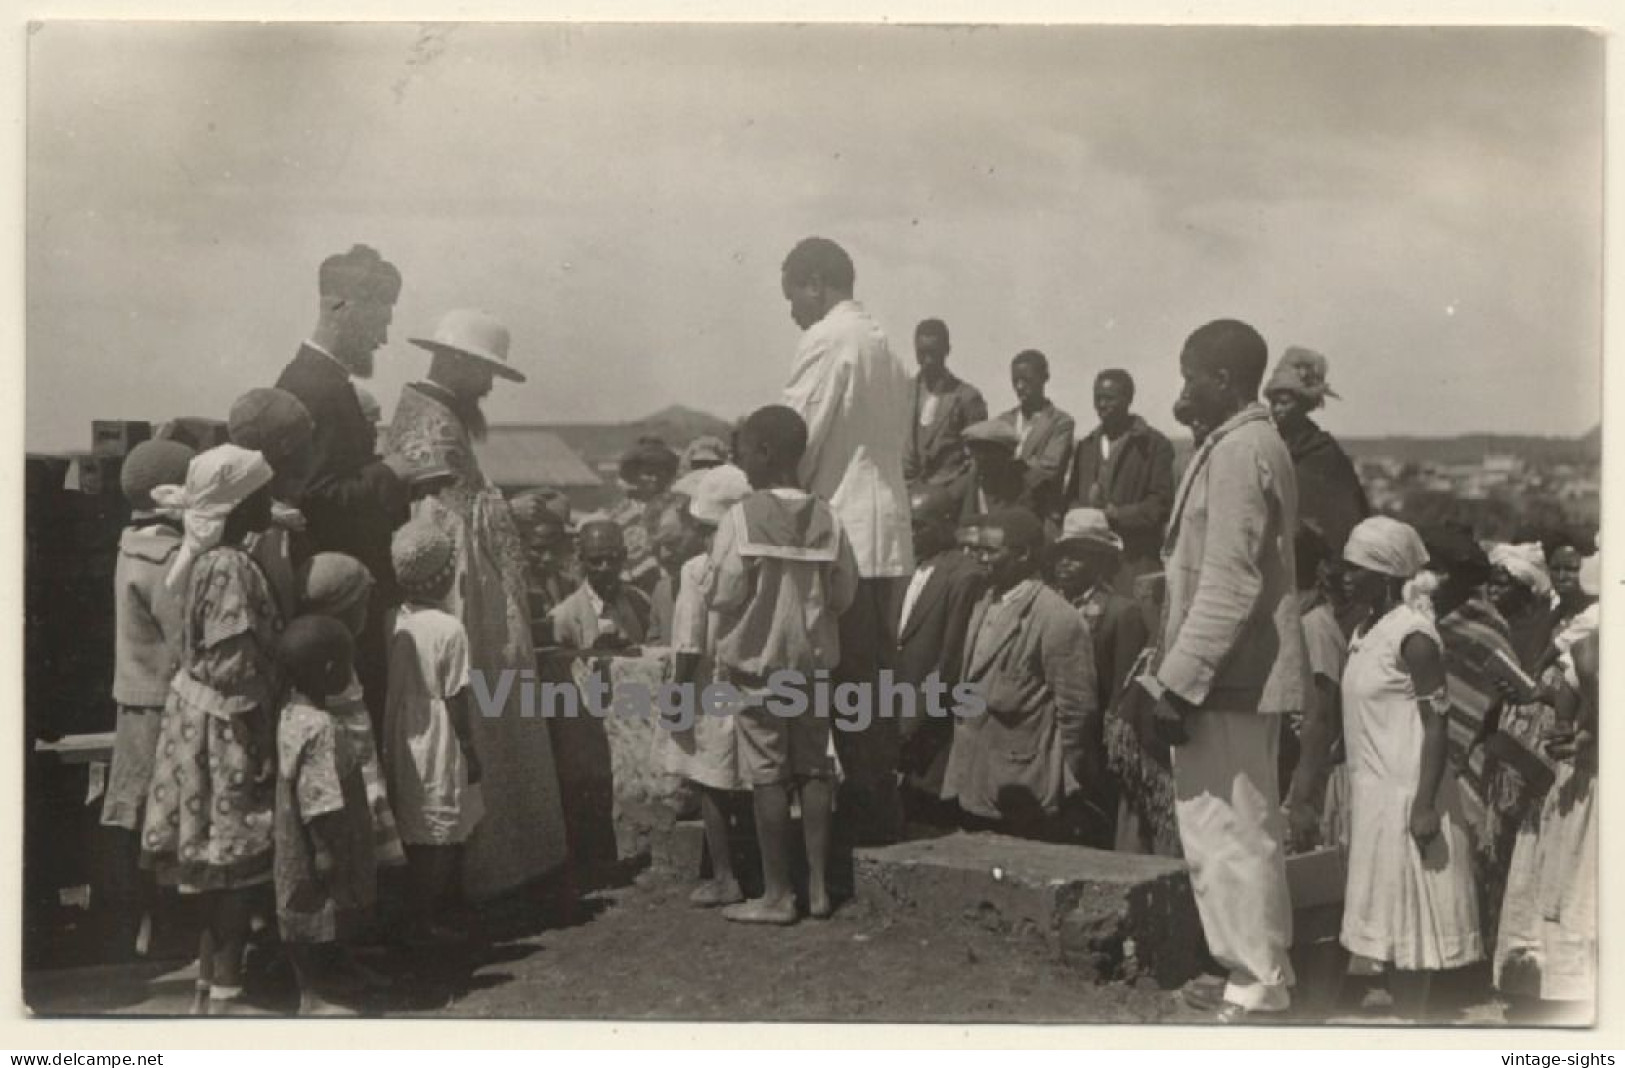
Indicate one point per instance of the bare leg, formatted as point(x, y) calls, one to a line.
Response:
point(431, 870)
point(230, 914)
point(205, 962)
point(815, 821)
point(723, 889)
point(778, 902)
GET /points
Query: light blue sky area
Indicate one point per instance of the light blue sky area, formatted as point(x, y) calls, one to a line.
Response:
point(1423, 206)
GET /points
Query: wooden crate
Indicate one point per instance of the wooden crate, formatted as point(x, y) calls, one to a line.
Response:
point(116, 437)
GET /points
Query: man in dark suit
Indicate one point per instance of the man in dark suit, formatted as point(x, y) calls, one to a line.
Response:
point(943, 407)
point(1044, 435)
point(1125, 469)
point(930, 617)
point(352, 500)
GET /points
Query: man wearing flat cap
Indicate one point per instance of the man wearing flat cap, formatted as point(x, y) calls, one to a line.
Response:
point(431, 442)
point(352, 502)
point(1329, 492)
point(996, 479)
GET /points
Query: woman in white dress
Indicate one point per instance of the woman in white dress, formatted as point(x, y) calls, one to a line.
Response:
point(1410, 903)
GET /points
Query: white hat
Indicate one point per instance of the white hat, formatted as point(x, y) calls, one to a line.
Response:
point(466, 332)
point(1088, 526)
point(720, 489)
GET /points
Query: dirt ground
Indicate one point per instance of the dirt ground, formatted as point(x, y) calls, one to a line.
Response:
point(640, 953)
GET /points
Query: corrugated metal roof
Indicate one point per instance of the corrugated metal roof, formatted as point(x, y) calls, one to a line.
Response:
point(521, 456)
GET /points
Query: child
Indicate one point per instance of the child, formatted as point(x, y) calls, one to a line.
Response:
point(326, 878)
point(146, 652)
point(707, 753)
point(339, 586)
point(1410, 903)
point(208, 818)
point(782, 572)
point(429, 757)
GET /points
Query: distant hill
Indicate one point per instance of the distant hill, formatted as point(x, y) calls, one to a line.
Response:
point(1470, 448)
point(1466, 449)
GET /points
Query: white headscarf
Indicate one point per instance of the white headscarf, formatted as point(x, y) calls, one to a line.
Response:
point(217, 481)
point(1526, 564)
point(1395, 549)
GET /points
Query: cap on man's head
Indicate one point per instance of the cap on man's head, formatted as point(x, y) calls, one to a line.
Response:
point(270, 421)
point(359, 274)
point(992, 432)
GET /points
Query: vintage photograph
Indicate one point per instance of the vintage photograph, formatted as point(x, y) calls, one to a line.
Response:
point(823, 523)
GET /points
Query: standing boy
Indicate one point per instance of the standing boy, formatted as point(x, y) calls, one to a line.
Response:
point(783, 572)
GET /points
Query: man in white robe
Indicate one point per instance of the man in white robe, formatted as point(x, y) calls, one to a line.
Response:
point(853, 393)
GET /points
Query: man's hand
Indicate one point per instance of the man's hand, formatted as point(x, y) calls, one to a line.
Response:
point(322, 861)
point(1168, 719)
point(1303, 825)
point(1424, 823)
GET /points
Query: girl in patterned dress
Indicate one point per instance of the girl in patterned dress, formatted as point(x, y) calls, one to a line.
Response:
point(208, 818)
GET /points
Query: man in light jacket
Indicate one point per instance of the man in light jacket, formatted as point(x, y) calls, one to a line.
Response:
point(854, 396)
point(1233, 660)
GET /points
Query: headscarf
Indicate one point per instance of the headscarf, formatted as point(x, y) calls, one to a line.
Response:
point(217, 481)
point(1386, 546)
point(1395, 549)
point(330, 584)
point(1526, 564)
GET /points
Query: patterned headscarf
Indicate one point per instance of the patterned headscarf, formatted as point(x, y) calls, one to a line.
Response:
point(1526, 564)
point(217, 481)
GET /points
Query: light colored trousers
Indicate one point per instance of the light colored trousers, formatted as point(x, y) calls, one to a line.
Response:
point(1227, 802)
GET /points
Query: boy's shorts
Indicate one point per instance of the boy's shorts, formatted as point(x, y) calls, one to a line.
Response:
point(773, 750)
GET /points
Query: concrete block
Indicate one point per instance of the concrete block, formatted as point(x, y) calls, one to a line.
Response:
point(1113, 915)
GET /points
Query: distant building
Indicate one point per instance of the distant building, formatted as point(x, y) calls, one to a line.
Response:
point(518, 457)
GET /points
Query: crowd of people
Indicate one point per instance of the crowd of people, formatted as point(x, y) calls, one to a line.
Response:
point(305, 612)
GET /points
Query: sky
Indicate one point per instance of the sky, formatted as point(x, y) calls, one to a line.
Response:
point(1423, 206)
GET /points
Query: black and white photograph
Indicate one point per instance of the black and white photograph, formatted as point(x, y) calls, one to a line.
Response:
point(813, 523)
